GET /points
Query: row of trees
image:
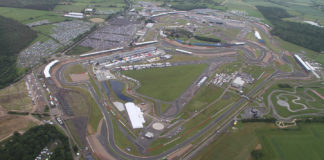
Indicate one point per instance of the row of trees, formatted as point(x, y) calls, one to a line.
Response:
point(30, 144)
point(207, 39)
point(302, 34)
point(14, 37)
point(187, 5)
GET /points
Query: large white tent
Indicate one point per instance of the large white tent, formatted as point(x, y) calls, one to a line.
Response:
point(135, 115)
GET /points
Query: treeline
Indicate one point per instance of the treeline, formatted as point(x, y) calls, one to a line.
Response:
point(301, 34)
point(14, 37)
point(207, 39)
point(266, 120)
point(30, 4)
point(30, 144)
point(187, 5)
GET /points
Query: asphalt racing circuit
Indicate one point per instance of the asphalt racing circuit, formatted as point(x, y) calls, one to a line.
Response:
point(216, 57)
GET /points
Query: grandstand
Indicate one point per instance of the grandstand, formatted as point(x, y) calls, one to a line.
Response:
point(48, 68)
point(101, 52)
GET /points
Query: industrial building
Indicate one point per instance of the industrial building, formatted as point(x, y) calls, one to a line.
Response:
point(135, 115)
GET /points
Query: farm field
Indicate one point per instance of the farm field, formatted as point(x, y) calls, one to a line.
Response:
point(12, 123)
point(101, 5)
point(300, 143)
point(15, 97)
point(166, 83)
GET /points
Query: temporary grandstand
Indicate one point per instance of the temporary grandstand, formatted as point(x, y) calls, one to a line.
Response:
point(135, 115)
point(74, 15)
point(302, 63)
point(145, 43)
point(183, 51)
point(101, 52)
point(48, 68)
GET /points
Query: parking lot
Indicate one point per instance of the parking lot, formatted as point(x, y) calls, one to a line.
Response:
point(118, 33)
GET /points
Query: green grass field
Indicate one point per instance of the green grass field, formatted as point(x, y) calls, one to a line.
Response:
point(77, 103)
point(95, 112)
point(122, 141)
point(78, 50)
point(26, 16)
point(204, 96)
point(299, 143)
point(166, 84)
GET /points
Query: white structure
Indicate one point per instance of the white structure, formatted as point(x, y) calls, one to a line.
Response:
point(313, 70)
point(239, 43)
point(162, 34)
point(135, 115)
point(100, 52)
point(88, 10)
point(149, 135)
point(145, 43)
point(48, 68)
point(162, 14)
point(202, 81)
point(302, 63)
point(257, 35)
point(313, 23)
point(149, 25)
point(238, 82)
point(120, 106)
point(74, 15)
point(183, 51)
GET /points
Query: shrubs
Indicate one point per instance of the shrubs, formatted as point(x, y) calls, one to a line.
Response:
point(257, 154)
point(284, 85)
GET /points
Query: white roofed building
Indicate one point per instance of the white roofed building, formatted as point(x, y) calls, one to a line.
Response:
point(238, 82)
point(135, 115)
point(120, 106)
